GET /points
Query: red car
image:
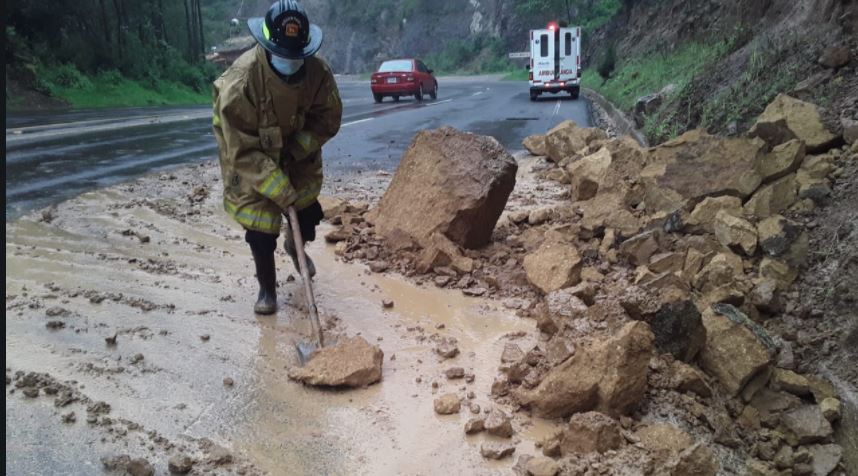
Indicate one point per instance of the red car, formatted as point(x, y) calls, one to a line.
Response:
point(403, 77)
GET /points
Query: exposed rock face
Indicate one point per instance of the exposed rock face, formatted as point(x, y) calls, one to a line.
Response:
point(351, 362)
point(553, 266)
point(697, 165)
point(609, 376)
point(449, 182)
point(567, 139)
point(590, 432)
point(787, 118)
point(733, 353)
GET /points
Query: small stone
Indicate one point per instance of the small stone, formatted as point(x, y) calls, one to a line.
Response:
point(512, 353)
point(447, 348)
point(791, 382)
point(498, 423)
point(205, 337)
point(69, 417)
point(180, 464)
point(220, 455)
point(228, 382)
point(454, 373)
point(137, 358)
point(387, 303)
point(807, 424)
point(55, 325)
point(830, 409)
point(496, 450)
point(542, 466)
point(474, 425)
point(31, 392)
point(447, 404)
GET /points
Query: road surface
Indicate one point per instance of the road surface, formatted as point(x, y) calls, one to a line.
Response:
point(53, 157)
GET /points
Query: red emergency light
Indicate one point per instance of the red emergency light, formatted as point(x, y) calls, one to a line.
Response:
point(552, 26)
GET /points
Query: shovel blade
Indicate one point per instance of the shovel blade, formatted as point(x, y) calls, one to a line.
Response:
point(305, 351)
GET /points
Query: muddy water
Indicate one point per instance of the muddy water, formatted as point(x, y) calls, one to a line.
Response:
point(389, 428)
point(198, 276)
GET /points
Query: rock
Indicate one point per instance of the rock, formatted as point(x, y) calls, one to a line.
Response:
point(590, 432)
point(777, 234)
point(766, 297)
point(553, 266)
point(228, 382)
point(474, 425)
point(447, 404)
point(180, 464)
point(735, 233)
point(378, 266)
point(609, 211)
point(496, 450)
point(778, 271)
point(791, 382)
point(825, 458)
point(783, 160)
point(773, 198)
point(512, 353)
point(499, 424)
point(830, 409)
point(806, 424)
point(639, 249)
point(702, 218)
point(352, 362)
point(663, 440)
point(539, 216)
point(128, 465)
point(137, 358)
point(535, 144)
point(449, 182)
point(755, 467)
point(454, 373)
point(219, 455)
point(563, 303)
point(439, 252)
point(787, 118)
point(542, 466)
point(447, 348)
point(337, 235)
point(666, 263)
point(850, 130)
point(645, 106)
point(567, 139)
point(835, 57)
point(609, 376)
point(697, 165)
point(698, 460)
point(588, 173)
point(688, 379)
point(678, 329)
point(733, 353)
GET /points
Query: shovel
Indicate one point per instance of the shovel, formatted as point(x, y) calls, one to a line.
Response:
point(306, 348)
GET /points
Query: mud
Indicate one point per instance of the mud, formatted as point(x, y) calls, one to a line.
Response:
point(193, 277)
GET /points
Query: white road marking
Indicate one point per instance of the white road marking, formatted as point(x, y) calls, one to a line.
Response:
point(357, 122)
point(439, 102)
point(477, 93)
point(556, 108)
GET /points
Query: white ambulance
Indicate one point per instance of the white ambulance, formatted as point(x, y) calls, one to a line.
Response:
point(555, 60)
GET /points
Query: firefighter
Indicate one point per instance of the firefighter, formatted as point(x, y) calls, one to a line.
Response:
point(274, 108)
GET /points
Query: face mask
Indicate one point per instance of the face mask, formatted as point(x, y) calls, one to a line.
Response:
point(285, 66)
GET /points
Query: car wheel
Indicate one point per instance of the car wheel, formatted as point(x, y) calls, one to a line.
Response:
point(378, 97)
point(434, 93)
point(395, 98)
point(533, 96)
point(419, 94)
point(574, 94)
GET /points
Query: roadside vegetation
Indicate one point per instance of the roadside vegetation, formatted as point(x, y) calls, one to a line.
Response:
point(95, 53)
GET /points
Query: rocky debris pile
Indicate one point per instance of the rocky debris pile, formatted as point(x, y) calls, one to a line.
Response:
point(351, 362)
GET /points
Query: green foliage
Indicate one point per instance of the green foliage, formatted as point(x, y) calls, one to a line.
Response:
point(481, 54)
point(588, 14)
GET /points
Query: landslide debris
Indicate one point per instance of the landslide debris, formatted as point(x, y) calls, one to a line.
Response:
point(351, 362)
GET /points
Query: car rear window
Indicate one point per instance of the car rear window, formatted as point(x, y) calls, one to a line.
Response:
point(396, 65)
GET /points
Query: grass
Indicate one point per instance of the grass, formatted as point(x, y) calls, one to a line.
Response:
point(636, 77)
point(517, 75)
point(129, 93)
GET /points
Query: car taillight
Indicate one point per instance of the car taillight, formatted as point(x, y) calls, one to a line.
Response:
point(409, 78)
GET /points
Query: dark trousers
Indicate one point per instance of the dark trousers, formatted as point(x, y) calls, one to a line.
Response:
point(266, 243)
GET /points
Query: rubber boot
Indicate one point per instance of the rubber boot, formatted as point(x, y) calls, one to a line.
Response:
point(289, 246)
point(266, 274)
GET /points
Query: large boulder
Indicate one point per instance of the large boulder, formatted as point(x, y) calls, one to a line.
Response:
point(735, 233)
point(449, 182)
point(787, 118)
point(590, 432)
point(352, 362)
point(835, 56)
point(806, 424)
point(678, 329)
point(568, 139)
point(702, 218)
point(697, 165)
point(535, 144)
point(553, 266)
point(733, 353)
point(609, 376)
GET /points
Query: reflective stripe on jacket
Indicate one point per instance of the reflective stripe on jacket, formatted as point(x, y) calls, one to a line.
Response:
point(270, 135)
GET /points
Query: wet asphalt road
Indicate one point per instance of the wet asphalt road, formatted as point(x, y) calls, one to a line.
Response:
point(53, 157)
